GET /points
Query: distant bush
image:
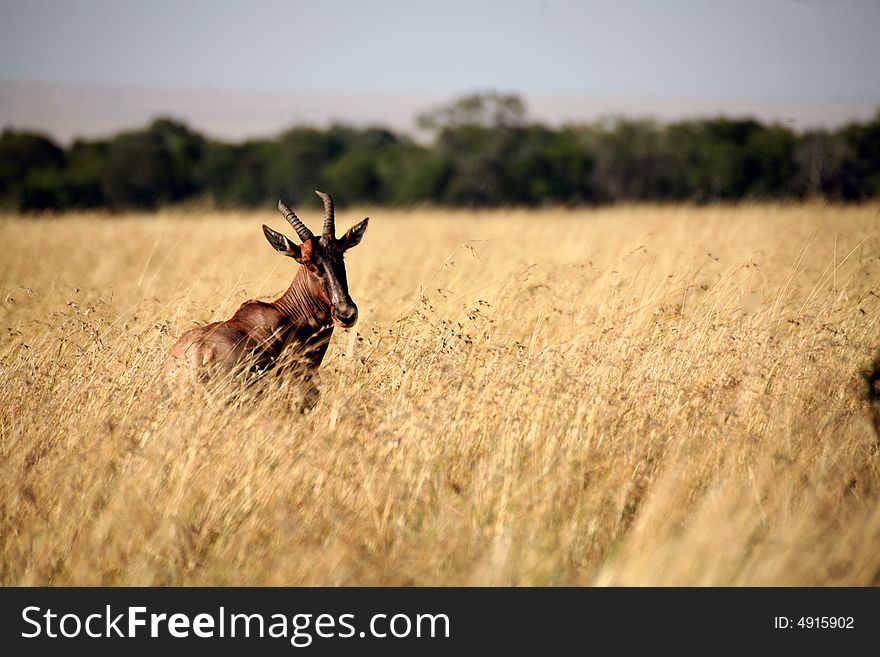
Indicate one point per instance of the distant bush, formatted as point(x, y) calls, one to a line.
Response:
point(483, 152)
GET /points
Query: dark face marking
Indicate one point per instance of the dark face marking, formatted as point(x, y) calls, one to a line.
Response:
point(327, 257)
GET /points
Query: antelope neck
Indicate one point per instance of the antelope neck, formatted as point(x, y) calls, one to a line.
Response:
point(303, 303)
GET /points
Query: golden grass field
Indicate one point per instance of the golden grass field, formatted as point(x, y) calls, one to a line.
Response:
point(625, 396)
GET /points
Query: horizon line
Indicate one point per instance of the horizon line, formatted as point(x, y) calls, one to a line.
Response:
point(68, 112)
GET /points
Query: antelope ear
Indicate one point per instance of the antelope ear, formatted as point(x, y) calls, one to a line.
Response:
point(354, 235)
point(281, 244)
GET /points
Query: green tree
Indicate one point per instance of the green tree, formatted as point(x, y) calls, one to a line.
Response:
point(30, 166)
point(86, 163)
point(858, 173)
point(138, 171)
point(236, 175)
point(299, 158)
point(411, 173)
point(150, 167)
point(485, 110)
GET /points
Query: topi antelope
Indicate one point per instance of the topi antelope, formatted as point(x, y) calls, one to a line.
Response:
point(254, 337)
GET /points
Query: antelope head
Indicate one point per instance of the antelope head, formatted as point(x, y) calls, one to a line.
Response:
point(322, 257)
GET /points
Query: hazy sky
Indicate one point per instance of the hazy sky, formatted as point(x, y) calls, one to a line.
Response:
point(737, 51)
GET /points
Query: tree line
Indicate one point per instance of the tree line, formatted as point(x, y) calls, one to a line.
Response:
point(483, 151)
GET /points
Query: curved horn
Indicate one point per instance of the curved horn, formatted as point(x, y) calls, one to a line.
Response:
point(329, 215)
point(301, 229)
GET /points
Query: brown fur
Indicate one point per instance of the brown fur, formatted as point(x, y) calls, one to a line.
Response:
point(256, 335)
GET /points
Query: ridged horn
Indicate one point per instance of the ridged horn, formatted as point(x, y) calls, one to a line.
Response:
point(301, 229)
point(329, 215)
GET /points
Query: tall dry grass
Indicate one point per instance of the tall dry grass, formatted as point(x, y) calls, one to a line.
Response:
point(638, 395)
